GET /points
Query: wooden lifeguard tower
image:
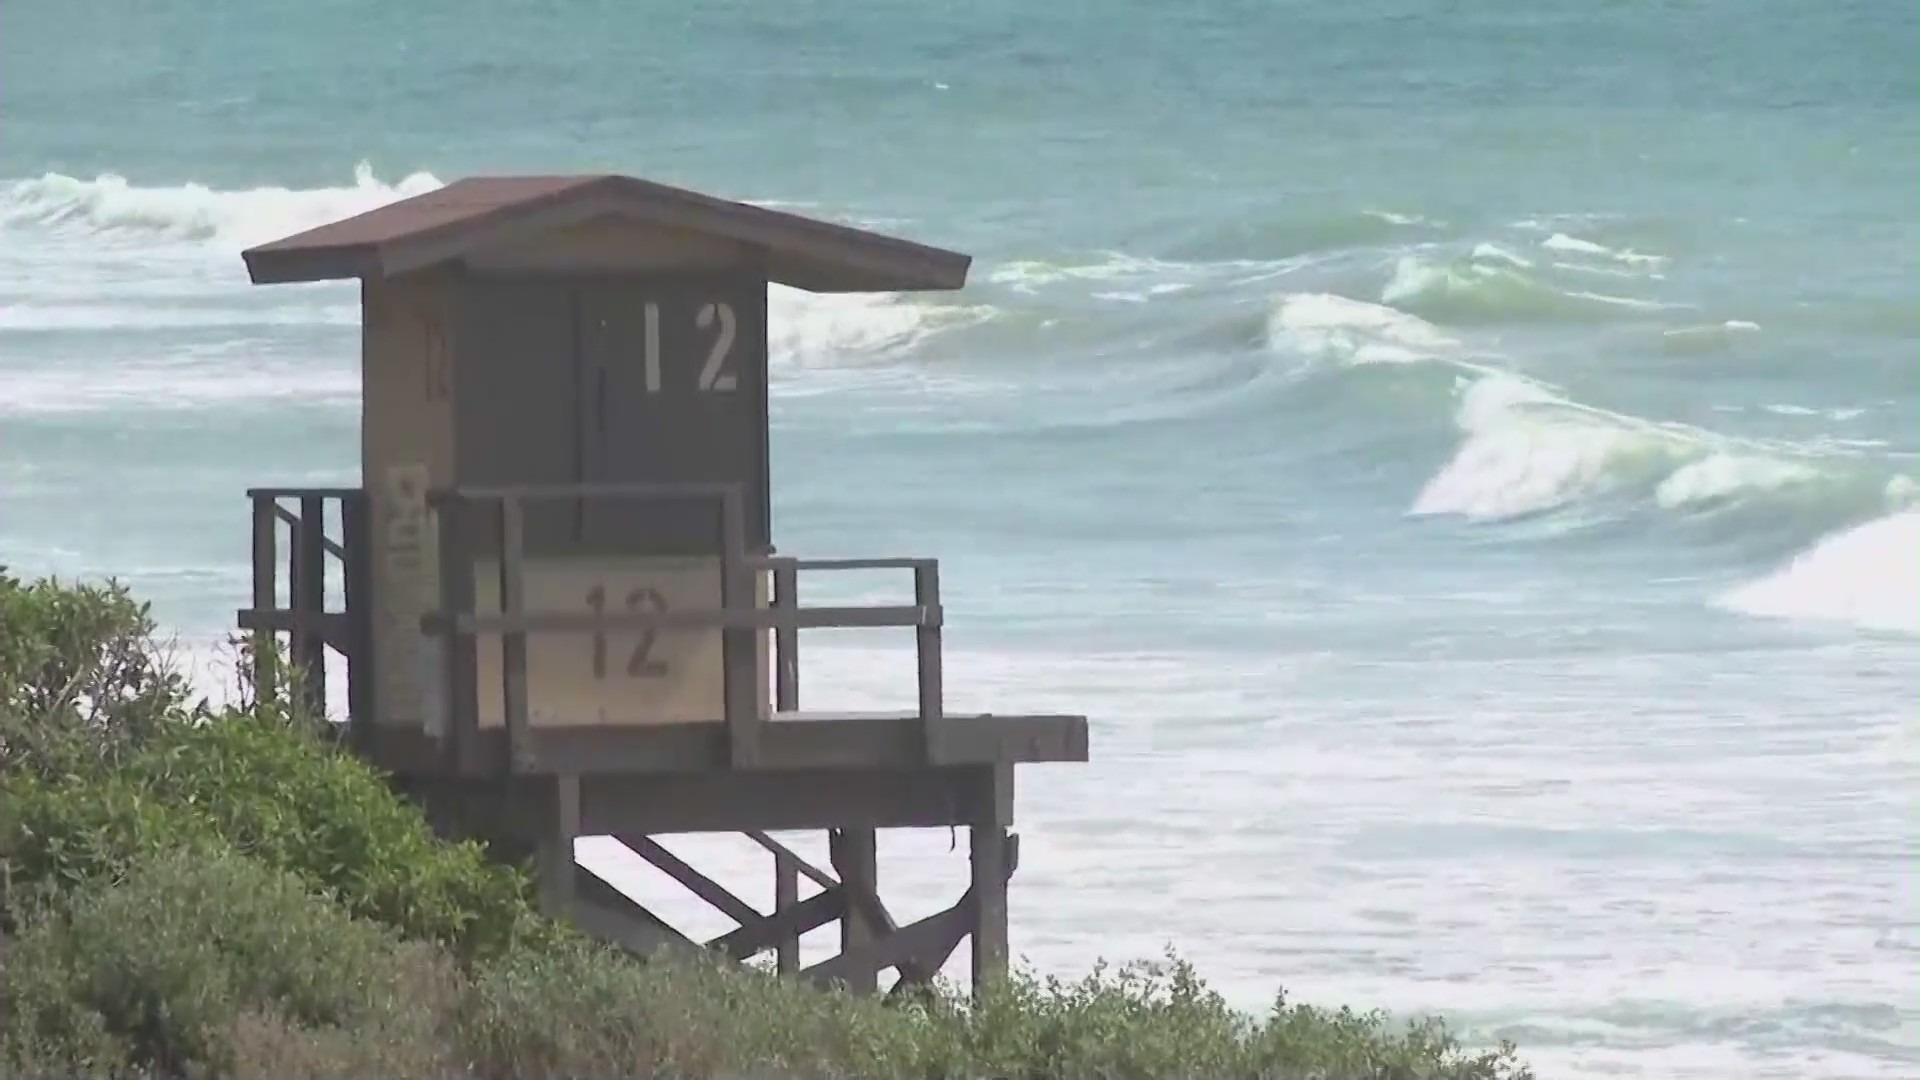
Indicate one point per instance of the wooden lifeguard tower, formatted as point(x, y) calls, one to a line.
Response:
point(563, 611)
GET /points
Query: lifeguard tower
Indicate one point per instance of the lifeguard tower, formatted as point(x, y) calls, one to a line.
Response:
point(563, 612)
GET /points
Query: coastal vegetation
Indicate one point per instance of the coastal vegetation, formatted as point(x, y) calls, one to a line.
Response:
point(191, 889)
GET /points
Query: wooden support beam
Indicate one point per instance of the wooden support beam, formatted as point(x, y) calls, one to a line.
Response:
point(991, 853)
point(607, 913)
point(888, 749)
point(932, 936)
point(786, 894)
point(919, 973)
point(865, 902)
point(557, 870)
point(855, 859)
point(819, 877)
point(766, 933)
point(695, 882)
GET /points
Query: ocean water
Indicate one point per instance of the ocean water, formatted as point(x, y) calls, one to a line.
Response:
point(1462, 457)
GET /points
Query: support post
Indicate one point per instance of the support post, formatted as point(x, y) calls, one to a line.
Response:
point(856, 860)
point(991, 854)
point(786, 894)
point(556, 865)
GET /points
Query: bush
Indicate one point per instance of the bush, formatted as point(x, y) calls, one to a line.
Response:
point(175, 967)
point(106, 761)
point(204, 893)
point(81, 681)
point(276, 794)
point(301, 804)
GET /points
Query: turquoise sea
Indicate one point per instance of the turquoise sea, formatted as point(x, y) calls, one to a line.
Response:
point(1463, 457)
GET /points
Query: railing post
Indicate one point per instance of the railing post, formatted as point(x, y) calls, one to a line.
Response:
point(786, 638)
point(513, 640)
point(738, 660)
point(309, 557)
point(266, 595)
point(926, 642)
point(356, 541)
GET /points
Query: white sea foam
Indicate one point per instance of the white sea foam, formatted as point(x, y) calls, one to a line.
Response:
point(1030, 275)
point(1708, 337)
point(109, 207)
point(1867, 576)
point(1497, 254)
point(1395, 218)
point(1528, 450)
point(1487, 288)
point(1328, 327)
point(1720, 476)
point(1575, 246)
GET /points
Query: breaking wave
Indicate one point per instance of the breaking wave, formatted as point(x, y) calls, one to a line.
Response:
point(1493, 285)
point(1866, 576)
point(1522, 448)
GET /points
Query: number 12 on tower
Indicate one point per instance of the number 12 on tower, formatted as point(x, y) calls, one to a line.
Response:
point(715, 375)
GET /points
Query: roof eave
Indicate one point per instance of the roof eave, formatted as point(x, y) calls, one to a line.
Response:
point(269, 265)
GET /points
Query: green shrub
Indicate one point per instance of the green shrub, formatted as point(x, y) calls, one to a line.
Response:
point(301, 804)
point(106, 761)
point(81, 680)
point(164, 968)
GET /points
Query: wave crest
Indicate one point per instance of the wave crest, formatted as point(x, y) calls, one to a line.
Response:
point(1492, 285)
point(1866, 576)
point(108, 206)
point(1331, 328)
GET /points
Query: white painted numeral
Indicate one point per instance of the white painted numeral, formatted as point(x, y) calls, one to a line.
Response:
point(651, 347)
point(714, 376)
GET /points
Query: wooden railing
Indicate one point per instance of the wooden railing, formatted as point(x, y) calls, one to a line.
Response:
point(311, 628)
point(738, 617)
point(309, 558)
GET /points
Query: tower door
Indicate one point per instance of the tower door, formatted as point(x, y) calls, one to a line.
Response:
point(521, 396)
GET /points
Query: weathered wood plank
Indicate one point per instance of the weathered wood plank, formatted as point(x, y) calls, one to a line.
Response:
point(855, 858)
point(991, 856)
point(695, 882)
point(781, 851)
point(923, 938)
point(557, 870)
point(786, 894)
point(809, 914)
point(331, 627)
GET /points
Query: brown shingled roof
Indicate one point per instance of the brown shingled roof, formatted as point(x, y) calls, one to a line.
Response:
point(445, 224)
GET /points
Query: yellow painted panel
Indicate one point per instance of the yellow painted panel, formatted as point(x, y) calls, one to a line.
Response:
point(623, 677)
